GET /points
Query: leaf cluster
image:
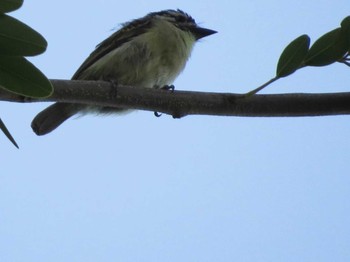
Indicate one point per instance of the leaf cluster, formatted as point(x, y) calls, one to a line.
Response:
point(333, 46)
point(17, 74)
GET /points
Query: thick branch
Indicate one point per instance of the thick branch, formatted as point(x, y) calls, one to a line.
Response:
point(182, 103)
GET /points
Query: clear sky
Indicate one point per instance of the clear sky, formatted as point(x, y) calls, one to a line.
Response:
point(141, 188)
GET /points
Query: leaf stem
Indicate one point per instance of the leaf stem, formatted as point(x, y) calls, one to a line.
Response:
point(256, 90)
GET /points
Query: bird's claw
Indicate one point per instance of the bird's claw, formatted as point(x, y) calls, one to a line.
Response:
point(168, 88)
point(157, 114)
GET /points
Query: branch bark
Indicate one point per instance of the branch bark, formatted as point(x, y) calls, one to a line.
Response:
point(183, 103)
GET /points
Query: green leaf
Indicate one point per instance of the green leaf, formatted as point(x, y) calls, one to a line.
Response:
point(346, 22)
point(20, 76)
point(328, 49)
point(16, 38)
point(10, 5)
point(293, 56)
point(345, 26)
point(7, 133)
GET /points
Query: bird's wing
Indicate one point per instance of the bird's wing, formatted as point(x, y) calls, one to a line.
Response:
point(123, 35)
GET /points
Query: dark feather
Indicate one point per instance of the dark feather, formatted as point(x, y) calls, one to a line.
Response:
point(123, 35)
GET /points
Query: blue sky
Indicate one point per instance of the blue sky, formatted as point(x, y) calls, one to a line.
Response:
point(141, 188)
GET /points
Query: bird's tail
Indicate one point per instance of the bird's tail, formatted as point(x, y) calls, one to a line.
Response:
point(53, 116)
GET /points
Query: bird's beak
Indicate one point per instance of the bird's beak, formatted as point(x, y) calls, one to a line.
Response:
point(200, 32)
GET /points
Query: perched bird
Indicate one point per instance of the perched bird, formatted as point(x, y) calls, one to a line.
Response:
point(147, 52)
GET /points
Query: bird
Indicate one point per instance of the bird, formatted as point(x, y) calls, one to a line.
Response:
point(146, 52)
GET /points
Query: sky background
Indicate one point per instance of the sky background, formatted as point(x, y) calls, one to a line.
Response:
point(200, 188)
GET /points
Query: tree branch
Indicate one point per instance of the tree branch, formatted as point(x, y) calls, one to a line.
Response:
point(182, 103)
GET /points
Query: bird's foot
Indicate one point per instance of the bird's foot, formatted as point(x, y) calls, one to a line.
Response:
point(157, 114)
point(167, 88)
point(114, 88)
